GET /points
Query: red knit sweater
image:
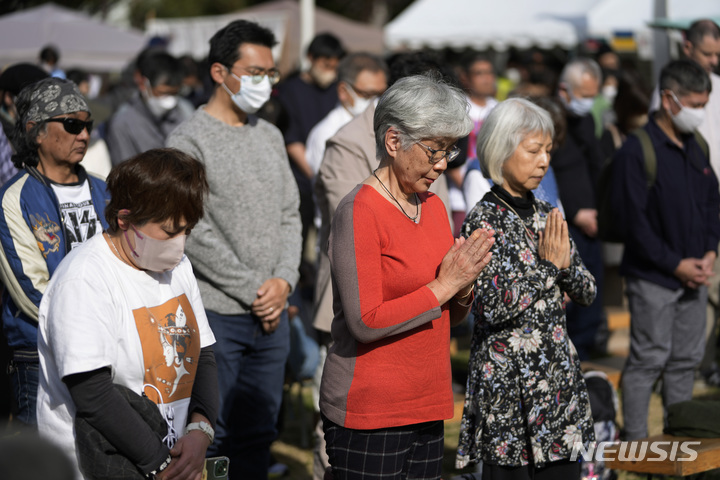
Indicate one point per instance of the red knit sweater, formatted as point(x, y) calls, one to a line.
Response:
point(389, 364)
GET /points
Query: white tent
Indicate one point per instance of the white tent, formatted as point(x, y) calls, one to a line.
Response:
point(612, 16)
point(83, 42)
point(500, 24)
point(483, 24)
point(190, 35)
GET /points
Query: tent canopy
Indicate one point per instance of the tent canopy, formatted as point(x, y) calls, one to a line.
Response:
point(191, 35)
point(83, 41)
point(483, 24)
point(604, 19)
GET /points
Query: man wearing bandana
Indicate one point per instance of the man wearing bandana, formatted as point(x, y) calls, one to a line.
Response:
point(577, 165)
point(51, 206)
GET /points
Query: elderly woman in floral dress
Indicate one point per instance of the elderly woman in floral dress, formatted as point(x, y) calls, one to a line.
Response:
point(526, 405)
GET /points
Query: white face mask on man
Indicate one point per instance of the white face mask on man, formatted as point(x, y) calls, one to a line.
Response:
point(579, 106)
point(360, 104)
point(687, 119)
point(156, 255)
point(158, 105)
point(251, 96)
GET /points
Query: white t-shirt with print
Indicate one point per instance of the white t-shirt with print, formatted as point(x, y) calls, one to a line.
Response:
point(97, 312)
point(79, 218)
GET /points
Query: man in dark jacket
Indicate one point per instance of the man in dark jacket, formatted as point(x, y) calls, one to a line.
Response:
point(672, 233)
point(577, 165)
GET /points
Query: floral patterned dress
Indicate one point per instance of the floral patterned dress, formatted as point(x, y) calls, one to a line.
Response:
point(526, 400)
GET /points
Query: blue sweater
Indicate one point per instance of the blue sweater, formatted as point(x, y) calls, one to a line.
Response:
point(677, 217)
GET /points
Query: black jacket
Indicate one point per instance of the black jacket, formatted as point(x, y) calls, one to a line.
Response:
point(577, 165)
point(677, 218)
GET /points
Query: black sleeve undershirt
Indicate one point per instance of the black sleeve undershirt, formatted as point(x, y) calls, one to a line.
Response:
point(103, 407)
point(108, 412)
point(205, 399)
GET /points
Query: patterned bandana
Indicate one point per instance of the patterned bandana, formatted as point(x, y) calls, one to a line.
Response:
point(52, 97)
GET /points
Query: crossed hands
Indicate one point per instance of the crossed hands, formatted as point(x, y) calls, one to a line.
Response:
point(554, 244)
point(270, 302)
point(694, 272)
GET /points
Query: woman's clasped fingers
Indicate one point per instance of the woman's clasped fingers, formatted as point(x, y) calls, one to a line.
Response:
point(551, 225)
point(479, 244)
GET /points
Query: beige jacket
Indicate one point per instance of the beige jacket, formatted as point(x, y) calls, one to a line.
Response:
point(349, 159)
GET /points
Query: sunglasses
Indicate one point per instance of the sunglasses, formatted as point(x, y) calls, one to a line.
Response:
point(73, 126)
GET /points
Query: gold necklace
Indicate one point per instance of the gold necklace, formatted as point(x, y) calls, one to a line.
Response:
point(530, 234)
point(417, 202)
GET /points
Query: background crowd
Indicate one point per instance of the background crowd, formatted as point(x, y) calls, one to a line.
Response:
point(280, 154)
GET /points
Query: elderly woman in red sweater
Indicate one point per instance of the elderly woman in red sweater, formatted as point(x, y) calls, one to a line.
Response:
point(400, 282)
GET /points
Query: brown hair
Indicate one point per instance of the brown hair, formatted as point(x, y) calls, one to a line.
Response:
point(157, 185)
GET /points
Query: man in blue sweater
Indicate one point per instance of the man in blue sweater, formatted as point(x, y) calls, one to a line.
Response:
point(670, 246)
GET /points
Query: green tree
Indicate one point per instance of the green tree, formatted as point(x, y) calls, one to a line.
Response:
point(89, 6)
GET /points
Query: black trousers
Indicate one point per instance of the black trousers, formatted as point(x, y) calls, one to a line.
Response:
point(560, 470)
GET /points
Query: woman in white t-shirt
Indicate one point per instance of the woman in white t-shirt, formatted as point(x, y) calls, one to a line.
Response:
point(124, 310)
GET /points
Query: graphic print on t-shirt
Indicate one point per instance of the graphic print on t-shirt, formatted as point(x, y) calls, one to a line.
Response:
point(79, 221)
point(171, 346)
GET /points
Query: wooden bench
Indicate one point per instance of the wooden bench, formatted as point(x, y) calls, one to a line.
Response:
point(676, 461)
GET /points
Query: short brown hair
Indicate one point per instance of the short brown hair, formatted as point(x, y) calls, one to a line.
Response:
point(157, 185)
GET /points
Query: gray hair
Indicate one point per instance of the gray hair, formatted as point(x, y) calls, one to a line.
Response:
point(683, 77)
point(421, 107)
point(504, 128)
point(574, 70)
point(352, 65)
point(699, 29)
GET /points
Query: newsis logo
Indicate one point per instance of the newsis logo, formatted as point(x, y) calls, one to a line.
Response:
point(656, 451)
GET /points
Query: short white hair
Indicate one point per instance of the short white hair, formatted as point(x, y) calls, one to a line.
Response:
point(507, 125)
point(573, 72)
point(421, 107)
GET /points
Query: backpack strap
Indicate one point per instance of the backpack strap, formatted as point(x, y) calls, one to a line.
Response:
point(648, 154)
point(702, 142)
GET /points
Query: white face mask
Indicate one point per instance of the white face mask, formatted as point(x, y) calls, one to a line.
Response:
point(579, 106)
point(159, 105)
point(687, 119)
point(156, 255)
point(323, 78)
point(360, 104)
point(609, 92)
point(251, 96)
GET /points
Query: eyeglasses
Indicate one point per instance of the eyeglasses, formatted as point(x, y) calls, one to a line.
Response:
point(73, 126)
point(364, 93)
point(437, 155)
point(256, 75)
